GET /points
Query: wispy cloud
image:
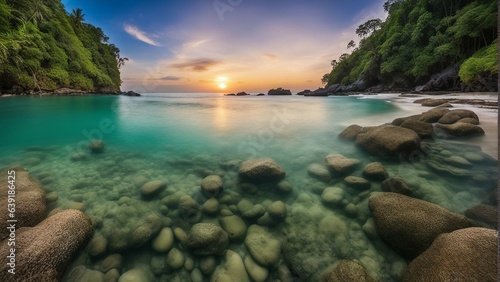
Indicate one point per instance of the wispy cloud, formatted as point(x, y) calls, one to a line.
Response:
point(171, 78)
point(140, 35)
point(271, 57)
point(197, 65)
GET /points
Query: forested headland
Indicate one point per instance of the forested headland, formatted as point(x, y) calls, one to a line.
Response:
point(44, 48)
point(423, 45)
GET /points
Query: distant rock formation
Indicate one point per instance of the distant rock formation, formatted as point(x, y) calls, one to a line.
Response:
point(131, 93)
point(279, 91)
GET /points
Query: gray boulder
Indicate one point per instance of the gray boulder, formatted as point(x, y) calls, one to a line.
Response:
point(207, 239)
point(389, 141)
point(444, 80)
point(410, 225)
point(468, 254)
point(29, 199)
point(45, 250)
point(261, 170)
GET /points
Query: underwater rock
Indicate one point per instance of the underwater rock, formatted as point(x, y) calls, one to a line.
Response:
point(96, 146)
point(375, 171)
point(76, 157)
point(180, 235)
point(30, 200)
point(189, 208)
point(261, 170)
point(341, 165)
point(458, 161)
point(284, 186)
point(211, 206)
point(460, 129)
point(83, 274)
point(234, 226)
point(207, 239)
point(232, 270)
point(212, 186)
point(149, 227)
point(256, 272)
point(97, 246)
point(53, 241)
point(110, 262)
point(351, 132)
point(138, 274)
point(464, 255)
point(175, 260)
point(433, 115)
point(332, 196)
point(389, 141)
point(277, 210)
point(164, 241)
point(346, 271)
point(410, 225)
point(263, 246)
point(423, 129)
point(319, 171)
point(357, 182)
point(483, 213)
point(439, 165)
point(51, 197)
point(208, 265)
point(151, 188)
point(456, 115)
point(396, 185)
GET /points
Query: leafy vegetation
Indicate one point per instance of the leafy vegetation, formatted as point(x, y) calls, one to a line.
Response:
point(43, 48)
point(420, 38)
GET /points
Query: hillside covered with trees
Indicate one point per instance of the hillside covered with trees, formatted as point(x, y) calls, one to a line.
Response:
point(43, 48)
point(426, 45)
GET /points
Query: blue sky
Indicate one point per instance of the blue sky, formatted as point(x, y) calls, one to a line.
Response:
point(227, 45)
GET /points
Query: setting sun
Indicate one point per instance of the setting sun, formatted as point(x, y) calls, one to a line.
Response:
point(222, 85)
point(222, 82)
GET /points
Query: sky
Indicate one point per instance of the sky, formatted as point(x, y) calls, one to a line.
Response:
point(227, 46)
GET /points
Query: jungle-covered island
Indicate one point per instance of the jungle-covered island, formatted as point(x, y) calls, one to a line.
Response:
point(45, 49)
point(423, 45)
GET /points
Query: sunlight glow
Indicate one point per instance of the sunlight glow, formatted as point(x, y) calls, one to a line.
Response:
point(222, 85)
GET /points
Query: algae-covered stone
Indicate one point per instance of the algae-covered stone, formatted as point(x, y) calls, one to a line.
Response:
point(332, 196)
point(256, 272)
point(319, 171)
point(232, 270)
point(211, 186)
point(234, 226)
point(261, 170)
point(263, 246)
point(357, 182)
point(153, 187)
point(207, 239)
point(164, 241)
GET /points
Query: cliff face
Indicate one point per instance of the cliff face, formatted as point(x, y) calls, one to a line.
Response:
point(43, 48)
point(427, 45)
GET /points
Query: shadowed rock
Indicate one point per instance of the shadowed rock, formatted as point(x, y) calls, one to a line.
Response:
point(456, 115)
point(410, 225)
point(461, 129)
point(44, 251)
point(29, 199)
point(464, 255)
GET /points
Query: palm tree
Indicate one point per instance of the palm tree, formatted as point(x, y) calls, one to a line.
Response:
point(78, 16)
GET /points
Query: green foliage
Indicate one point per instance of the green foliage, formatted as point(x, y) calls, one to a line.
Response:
point(44, 48)
point(482, 63)
point(420, 38)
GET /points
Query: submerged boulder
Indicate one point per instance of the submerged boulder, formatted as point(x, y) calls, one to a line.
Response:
point(211, 186)
point(376, 171)
point(96, 146)
point(207, 239)
point(261, 170)
point(346, 271)
point(389, 141)
point(410, 225)
point(263, 246)
point(341, 165)
point(468, 254)
point(351, 132)
point(46, 249)
point(29, 199)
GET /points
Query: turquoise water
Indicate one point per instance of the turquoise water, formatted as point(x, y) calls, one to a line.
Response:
point(182, 138)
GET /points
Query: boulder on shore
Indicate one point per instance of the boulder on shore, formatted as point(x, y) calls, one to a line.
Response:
point(29, 199)
point(46, 249)
point(456, 115)
point(389, 141)
point(468, 254)
point(410, 225)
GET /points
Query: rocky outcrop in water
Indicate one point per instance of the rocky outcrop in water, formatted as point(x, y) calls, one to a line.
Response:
point(29, 200)
point(410, 225)
point(468, 254)
point(279, 91)
point(46, 250)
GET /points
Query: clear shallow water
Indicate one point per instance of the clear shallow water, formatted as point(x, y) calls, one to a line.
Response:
point(181, 138)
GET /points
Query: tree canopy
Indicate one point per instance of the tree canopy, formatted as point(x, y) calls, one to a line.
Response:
point(420, 38)
point(43, 48)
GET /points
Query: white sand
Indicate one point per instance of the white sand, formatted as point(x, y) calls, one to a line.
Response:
point(488, 117)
